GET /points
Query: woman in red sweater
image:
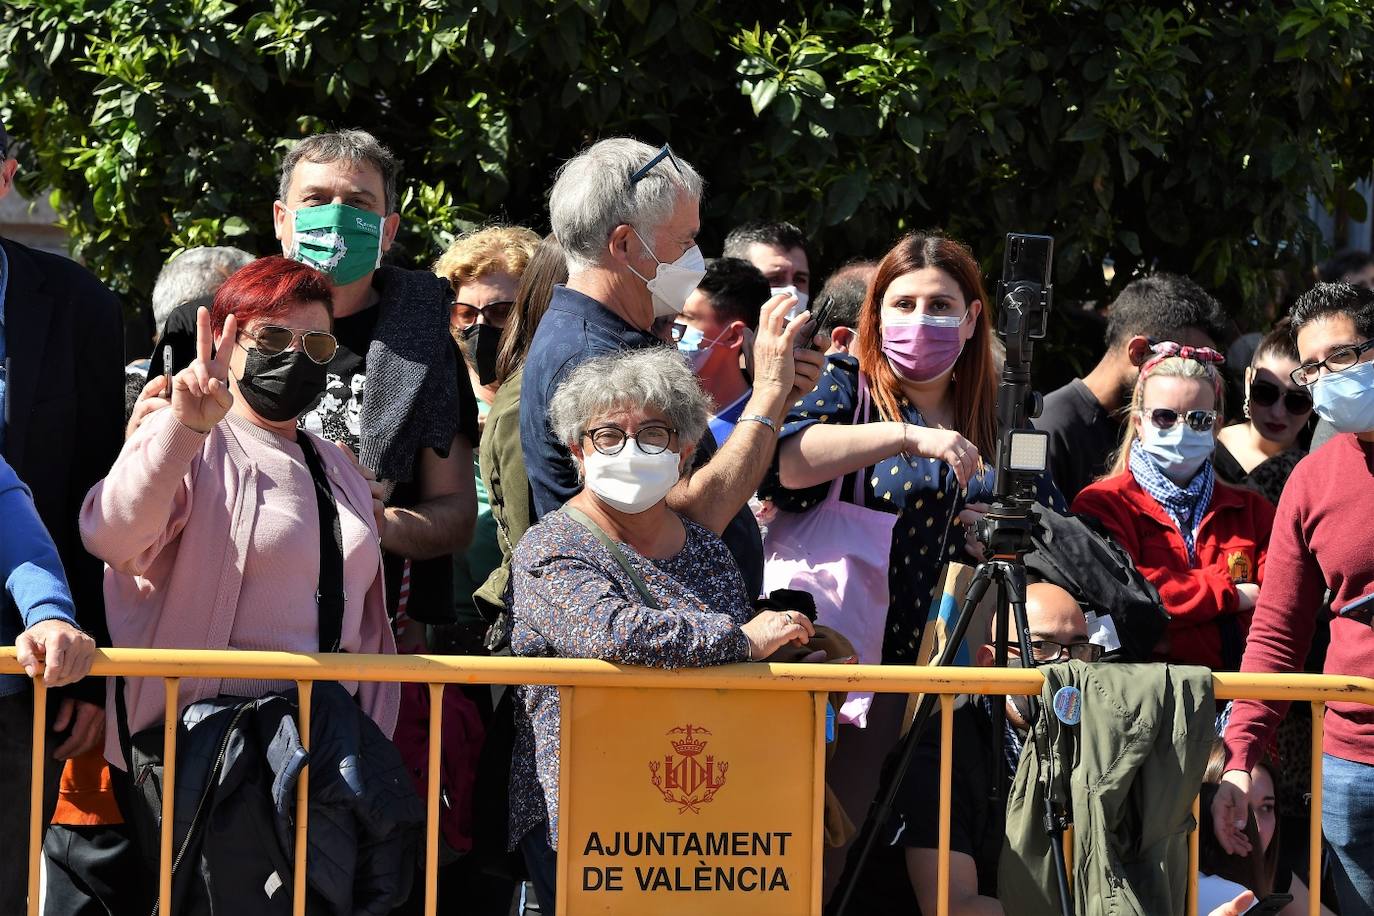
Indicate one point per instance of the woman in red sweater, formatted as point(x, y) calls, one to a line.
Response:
point(1202, 543)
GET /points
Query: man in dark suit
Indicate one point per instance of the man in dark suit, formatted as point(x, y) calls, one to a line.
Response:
point(61, 426)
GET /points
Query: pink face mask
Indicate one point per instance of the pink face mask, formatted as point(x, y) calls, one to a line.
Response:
point(923, 347)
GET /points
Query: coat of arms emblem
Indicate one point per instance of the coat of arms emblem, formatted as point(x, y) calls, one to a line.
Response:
point(686, 777)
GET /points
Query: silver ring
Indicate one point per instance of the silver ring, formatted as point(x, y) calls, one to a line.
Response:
point(788, 615)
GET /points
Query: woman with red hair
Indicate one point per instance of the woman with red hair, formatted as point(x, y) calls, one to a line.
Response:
point(909, 423)
point(211, 518)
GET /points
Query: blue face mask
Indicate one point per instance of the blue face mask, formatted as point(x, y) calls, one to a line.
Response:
point(1346, 399)
point(1179, 451)
point(694, 346)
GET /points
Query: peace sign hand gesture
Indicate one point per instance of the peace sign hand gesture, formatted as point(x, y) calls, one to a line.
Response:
point(200, 392)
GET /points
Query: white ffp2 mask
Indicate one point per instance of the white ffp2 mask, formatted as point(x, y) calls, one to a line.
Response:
point(672, 283)
point(630, 481)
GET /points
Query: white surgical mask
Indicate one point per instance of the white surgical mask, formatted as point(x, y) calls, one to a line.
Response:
point(630, 481)
point(1179, 451)
point(672, 283)
point(802, 299)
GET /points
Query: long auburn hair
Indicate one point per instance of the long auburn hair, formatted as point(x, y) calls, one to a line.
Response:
point(973, 388)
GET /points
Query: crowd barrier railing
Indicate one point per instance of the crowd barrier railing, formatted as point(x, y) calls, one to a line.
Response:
point(730, 684)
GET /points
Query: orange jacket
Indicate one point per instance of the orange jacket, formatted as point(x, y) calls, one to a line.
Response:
point(1231, 544)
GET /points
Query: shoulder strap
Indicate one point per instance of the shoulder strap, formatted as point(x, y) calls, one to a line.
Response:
point(330, 595)
point(616, 553)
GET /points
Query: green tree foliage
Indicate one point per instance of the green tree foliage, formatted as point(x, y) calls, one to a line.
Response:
point(1187, 138)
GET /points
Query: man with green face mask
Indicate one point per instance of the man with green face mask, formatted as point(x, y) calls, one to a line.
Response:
point(394, 395)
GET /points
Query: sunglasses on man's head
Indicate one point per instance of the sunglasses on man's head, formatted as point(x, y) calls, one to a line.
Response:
point(272, 339)
point(1167, 418)
point(1266, 394)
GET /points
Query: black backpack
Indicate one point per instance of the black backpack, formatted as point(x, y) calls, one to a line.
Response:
point(1072, 552)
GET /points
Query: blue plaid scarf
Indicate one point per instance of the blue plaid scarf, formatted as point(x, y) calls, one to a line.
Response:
point(1184, 505)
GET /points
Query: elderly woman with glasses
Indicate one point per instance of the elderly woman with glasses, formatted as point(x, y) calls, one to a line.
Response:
point(224, 525)
point(617, 575)
point(1201, 542)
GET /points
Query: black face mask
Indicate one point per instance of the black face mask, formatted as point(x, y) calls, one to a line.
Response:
point(481, 344)
point(281, 386)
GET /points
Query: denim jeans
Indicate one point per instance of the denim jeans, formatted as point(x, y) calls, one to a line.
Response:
point(1348, 822)
point(542, 863)
point(16, 727)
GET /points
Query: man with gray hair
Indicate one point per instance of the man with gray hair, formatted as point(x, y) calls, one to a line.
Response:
point(627, 216)
point(184, 284)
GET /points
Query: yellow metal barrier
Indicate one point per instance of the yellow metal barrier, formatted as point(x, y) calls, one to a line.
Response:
point(436, 671)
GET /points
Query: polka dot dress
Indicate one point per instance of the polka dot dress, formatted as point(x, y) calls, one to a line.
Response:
point(922, 492)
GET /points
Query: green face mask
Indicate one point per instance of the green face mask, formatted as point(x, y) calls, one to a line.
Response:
point(340, 240)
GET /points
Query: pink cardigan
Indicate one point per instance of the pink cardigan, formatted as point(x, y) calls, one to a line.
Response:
point(173, 521)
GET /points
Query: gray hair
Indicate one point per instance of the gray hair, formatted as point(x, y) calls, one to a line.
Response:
point(352, 146)
point(652, 377)
point(592, 195)
point(196, 273)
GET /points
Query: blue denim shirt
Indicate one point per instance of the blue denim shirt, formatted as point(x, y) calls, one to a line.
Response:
point(577, 328)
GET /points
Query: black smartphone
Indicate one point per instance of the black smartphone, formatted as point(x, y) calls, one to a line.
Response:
point(1270, 905)
point(818, 321)
point(1027, 259)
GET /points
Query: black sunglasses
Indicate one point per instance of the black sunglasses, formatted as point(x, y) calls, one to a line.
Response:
point(272, 339)
point(665, 153)
point(1166, 418)
point(1295, 400)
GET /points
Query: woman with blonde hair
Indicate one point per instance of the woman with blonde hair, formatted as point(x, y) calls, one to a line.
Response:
point(484, 269)
point(1201, 542)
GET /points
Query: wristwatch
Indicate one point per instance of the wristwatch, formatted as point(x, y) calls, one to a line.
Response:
point(760, 418)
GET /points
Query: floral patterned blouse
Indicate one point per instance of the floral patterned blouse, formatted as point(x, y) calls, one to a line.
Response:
point(922, 492)
point(572, 600)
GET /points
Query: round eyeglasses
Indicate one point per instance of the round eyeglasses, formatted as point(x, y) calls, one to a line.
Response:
point(652, 440)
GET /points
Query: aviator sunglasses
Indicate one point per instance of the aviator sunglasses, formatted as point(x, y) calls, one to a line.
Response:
point(1266, 394)
point(272, 339)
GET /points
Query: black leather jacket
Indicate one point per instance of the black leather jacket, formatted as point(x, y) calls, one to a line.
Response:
point(236, 789)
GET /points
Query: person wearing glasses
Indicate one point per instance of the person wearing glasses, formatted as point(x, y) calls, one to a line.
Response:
point(209, 519)
point(1262, 451)
point(627, 216)
point(1322, 540)
point(616, 574)
point(900, 876)
point(484, 269)
point(1201, 542)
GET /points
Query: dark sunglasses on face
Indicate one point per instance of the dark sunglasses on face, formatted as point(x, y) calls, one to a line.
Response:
point(496, 313)
point(1166, 418)
point(1266, 394)
point(272, 339)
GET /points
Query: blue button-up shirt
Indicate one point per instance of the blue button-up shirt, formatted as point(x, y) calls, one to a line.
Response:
point(577, 328)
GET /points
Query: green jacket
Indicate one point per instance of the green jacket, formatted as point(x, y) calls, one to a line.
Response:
point(508, 490)
point(1129, 772)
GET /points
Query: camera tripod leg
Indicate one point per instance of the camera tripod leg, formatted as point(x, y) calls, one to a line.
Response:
point(881, 808)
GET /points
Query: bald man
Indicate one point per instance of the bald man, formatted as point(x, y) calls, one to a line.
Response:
point(901, 873)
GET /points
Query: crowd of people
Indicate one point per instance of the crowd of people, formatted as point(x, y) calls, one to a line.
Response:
point(600, 443)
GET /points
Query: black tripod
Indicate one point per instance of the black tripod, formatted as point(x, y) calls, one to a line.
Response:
point(1005, 533)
